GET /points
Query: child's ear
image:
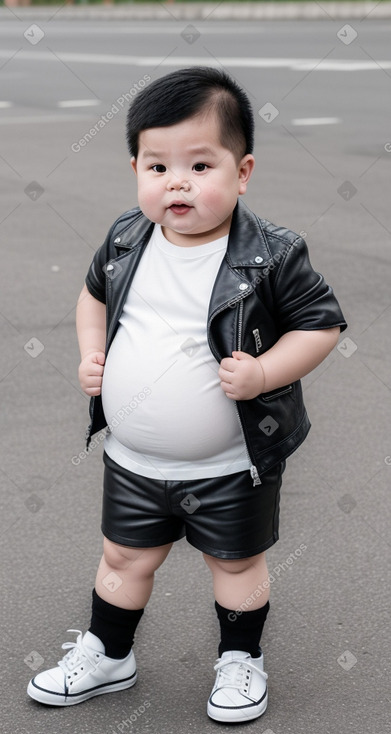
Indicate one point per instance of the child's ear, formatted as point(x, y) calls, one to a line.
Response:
point(246, 167)
point(133, 163)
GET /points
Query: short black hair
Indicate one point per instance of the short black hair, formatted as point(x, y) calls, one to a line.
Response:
point(186, 93)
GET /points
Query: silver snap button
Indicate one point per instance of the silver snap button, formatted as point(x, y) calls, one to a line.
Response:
point(259, 259)
point(110, 267)
point(243, 286)
point(117, 240)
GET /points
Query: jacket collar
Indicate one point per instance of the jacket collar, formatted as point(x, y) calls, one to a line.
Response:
point(247, 245)
point(135, 231)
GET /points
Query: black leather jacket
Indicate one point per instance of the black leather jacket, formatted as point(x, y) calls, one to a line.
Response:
point(265, 287)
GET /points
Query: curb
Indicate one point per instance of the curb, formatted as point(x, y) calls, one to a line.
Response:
point(174, 11)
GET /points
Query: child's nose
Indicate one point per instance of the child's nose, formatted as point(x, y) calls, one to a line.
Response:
point(178, 184)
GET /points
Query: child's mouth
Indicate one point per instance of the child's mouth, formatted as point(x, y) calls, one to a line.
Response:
point(180, 208)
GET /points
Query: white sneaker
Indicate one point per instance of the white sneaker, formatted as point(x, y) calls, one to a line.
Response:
point(240, 689)
point(85, 671)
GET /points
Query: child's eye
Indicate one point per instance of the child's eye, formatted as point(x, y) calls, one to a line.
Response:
point(200, 167)
point(159, 168)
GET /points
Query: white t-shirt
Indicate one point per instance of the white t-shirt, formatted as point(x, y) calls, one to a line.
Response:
point(167, 413)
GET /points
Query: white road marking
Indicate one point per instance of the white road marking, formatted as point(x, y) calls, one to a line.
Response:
point(78, 102)
point(4, 105)
point(31, 119)
point(231, 61)
point(315, 121)
point(268, 63)
point(168, 29)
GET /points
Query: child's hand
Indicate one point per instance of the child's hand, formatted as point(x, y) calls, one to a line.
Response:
point(242, 376)
point(91, 373)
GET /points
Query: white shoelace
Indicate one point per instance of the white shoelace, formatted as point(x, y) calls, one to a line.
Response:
point(77, 654)
point(231, 672)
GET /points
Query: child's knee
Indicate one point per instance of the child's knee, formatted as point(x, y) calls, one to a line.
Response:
point(146, 560)
point(234, 566)
point(116, 556)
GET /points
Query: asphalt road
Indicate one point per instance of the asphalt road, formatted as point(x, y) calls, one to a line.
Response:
point(323, 150)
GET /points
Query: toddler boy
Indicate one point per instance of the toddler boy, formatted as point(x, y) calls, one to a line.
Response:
point(195, 325)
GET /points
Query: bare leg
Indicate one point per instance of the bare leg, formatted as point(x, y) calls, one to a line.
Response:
point(240, 582)
point(131, 570)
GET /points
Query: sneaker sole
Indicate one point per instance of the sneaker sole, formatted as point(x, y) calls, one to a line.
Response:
point(54, 699)
point(235, 715)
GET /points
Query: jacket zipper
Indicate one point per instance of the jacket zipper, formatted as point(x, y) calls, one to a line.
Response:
point(253, 470)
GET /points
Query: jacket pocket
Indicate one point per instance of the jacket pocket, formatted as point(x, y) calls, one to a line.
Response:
point(277, 393)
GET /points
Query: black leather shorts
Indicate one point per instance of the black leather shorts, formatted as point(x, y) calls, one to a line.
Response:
point(224, 516)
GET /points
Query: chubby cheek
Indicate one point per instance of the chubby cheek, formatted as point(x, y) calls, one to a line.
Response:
point(148, 198)
point(218, 202)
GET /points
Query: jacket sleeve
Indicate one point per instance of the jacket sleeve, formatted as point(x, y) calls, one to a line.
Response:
point(303, 300)
point(95, 278)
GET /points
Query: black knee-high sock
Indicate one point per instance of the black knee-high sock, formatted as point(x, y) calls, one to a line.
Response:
point(114, 626)
point(241, 631)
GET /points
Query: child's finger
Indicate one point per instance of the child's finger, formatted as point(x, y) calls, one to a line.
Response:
point(93, 392)
point(95, 369)
point(230, 394)
point(241, 356)
point(94, 380)
point(228, 363)
point(225, 375)
point(99, 358)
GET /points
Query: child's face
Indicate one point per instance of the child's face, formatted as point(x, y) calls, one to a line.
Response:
point(187, 181)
